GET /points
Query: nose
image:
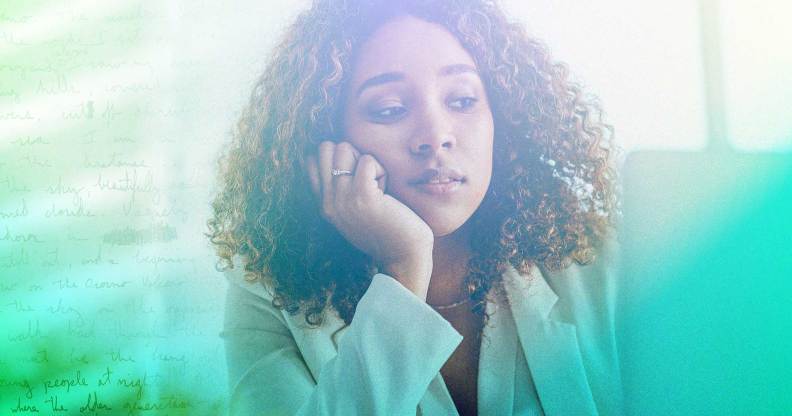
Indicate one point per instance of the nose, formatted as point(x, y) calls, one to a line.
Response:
point(433, 132)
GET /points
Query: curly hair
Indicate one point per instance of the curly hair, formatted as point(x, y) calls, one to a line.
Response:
point(552, 200)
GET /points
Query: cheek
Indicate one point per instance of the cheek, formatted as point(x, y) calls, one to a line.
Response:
point(374, 147)
point(479, 126)
point(480, 141)
point(382, 143)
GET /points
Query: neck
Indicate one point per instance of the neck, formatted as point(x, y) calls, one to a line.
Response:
point(449, 267)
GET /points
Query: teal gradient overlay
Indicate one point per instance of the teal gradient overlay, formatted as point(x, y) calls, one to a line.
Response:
point(706, 284)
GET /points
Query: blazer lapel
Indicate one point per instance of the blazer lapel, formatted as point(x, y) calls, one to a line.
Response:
point(317, 345)
point(550, 346)
point(498, 356)
point(436, 401)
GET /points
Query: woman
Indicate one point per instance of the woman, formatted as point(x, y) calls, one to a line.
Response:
point(406, 212)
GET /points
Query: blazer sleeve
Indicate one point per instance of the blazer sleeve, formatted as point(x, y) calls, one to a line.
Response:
point(393, 348)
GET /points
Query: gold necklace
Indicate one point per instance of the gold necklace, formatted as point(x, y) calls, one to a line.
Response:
point(450, 305)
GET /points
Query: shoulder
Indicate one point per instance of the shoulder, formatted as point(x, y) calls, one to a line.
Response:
point(253, 301)
point(588, 291)
point(237, 277)
point(246, 297)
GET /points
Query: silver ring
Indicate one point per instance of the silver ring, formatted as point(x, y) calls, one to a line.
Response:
point(340, 172)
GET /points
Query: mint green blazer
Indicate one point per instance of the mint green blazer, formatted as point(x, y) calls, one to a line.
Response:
point(548, 349)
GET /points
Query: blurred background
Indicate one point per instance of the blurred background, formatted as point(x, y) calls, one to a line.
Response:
point(112, 115)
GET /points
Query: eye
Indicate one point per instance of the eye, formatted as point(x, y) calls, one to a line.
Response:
point(387, 113)
point(463, 103)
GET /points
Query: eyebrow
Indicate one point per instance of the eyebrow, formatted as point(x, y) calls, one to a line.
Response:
point(387, 77)
point(457, 69)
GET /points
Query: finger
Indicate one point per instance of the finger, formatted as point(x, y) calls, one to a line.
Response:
point(326, 150)
point(369, 176)
point(345, 158)
point(313, 176)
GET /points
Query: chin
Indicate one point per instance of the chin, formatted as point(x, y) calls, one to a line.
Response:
point(444, 228)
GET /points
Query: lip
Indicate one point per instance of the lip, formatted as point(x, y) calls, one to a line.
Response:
point(440, 174)
point(439, 181)
point(440, 188)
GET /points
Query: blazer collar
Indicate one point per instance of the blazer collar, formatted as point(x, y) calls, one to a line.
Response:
point(529, 293)
point(550, 345)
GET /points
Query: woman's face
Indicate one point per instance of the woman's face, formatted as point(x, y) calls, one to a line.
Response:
point(417, 104)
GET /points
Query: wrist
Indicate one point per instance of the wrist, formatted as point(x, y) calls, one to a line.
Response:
point(412, 272)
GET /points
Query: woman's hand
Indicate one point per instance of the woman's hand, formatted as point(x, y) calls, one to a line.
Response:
point(373, 221)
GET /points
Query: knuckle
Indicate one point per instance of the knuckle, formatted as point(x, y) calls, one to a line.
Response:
point(366, 160)
point(365, 165)
point(344, 146)
point(326, 146)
